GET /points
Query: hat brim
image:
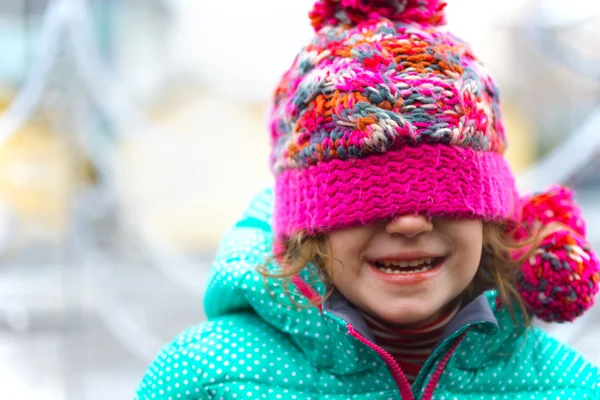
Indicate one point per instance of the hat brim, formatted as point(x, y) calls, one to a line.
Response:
point(433, 180)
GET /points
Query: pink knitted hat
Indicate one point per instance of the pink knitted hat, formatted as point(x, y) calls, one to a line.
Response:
point(382, 114)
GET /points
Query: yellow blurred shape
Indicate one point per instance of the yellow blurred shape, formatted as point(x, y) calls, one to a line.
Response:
point(35, 177)
point(521, 150)
point(190, 178)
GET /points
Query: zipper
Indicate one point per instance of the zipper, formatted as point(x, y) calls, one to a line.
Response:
point(437, 374)
point(399, 377)
point(436, 351)
point(397, 373)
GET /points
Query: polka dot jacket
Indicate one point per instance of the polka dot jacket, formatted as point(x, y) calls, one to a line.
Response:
point(258, 344)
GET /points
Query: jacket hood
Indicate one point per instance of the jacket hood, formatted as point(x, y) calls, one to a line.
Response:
point(235, 286)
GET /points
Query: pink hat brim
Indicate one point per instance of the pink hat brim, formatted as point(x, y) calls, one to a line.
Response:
point(433, 180)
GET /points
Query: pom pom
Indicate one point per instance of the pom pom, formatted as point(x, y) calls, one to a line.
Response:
point(560, 281)
point(553, 205)
point(352, 12)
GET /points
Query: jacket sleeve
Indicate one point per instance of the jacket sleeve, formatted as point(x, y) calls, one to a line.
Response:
point(175, 373)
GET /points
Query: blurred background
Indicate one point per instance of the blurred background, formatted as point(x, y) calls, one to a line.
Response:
point(133, 133)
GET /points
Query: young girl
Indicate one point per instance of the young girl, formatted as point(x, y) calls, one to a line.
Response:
point(399, 262)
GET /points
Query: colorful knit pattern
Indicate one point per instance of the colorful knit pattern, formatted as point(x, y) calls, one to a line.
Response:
point(553, 205)
point(380, 85)
point(560, 281)
point(382, 114)
point(352, 12)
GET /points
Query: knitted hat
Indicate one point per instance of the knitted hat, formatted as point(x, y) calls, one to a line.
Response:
point(382, 114)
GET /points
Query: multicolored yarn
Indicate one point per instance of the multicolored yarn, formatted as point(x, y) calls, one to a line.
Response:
point(352, 12)
point(560, 281)
point(381, 79)
point(556, 204)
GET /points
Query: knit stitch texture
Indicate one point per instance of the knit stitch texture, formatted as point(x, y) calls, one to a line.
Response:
point(381, 78)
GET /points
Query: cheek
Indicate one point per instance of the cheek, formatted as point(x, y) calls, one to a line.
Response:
point(345, 267)
point(347, 247)
point(468, 243)
point(470, 263)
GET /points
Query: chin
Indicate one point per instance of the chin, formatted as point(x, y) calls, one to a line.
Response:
point(404, 318)
point(403, 311)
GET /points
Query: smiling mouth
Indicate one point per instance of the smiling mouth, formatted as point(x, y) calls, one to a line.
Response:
point(407, 267)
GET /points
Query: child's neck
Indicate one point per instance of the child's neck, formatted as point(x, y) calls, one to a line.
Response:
point(447, 309)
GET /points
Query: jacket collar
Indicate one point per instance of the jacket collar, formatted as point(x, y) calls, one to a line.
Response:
point(478, 312)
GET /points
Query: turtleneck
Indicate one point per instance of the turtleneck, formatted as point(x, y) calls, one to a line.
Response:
point(410, 347)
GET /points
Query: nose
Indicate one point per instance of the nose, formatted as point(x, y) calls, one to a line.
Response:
point(409, 225)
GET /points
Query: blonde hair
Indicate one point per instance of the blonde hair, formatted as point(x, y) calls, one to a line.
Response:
point(498, 269)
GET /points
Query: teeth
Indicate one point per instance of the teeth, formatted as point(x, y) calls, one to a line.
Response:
point(400, 272)
point(405, 264)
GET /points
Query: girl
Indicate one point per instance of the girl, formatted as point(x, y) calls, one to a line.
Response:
point(400, 262)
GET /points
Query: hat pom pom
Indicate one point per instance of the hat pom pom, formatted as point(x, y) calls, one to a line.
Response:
point(554, 205)
point(560, 280)
point(352, 12)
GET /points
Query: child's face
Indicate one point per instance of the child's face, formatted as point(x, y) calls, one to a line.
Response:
point(372, 265)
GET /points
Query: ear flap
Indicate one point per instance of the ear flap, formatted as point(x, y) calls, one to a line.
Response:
point(560, 281)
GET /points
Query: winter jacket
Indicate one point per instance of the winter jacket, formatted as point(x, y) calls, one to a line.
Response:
point(258, 344)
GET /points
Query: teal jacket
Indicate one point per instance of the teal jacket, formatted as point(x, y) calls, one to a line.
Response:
point(257, 344)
